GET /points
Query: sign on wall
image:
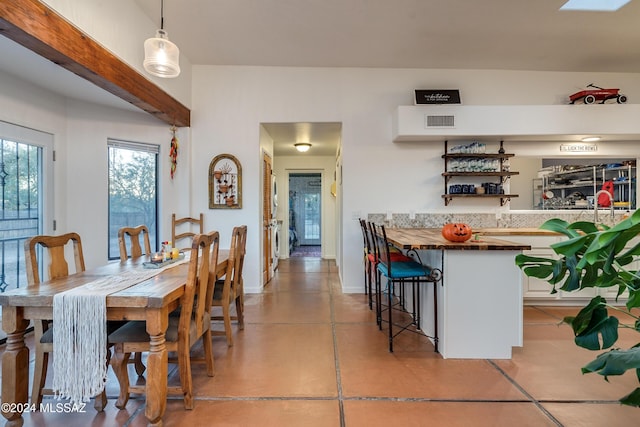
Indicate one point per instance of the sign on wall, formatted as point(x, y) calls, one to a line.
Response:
point(578, 148)
point(437, 96)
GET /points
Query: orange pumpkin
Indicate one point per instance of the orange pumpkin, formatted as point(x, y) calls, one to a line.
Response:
point(456, 232)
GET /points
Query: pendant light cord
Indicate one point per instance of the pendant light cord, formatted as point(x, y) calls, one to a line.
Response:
point(162, 14)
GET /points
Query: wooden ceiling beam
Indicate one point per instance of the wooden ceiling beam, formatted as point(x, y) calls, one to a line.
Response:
point(38, 28)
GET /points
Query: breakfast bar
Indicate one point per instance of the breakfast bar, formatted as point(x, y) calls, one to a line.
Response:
point(479, 297)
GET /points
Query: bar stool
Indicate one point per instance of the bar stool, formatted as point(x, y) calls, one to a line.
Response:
point(371, 258)
point(401, 272)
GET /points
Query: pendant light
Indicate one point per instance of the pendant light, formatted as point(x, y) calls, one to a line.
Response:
point(161, 57)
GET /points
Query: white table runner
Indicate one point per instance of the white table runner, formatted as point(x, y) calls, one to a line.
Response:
point(80, 333)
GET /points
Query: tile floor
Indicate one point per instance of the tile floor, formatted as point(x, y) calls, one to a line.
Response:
point(312, 356)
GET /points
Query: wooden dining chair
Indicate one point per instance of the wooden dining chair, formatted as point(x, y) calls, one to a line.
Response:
point(184, 330)
point(133, 234)
point(230, 290)
point(182, 228)
point(43, 330)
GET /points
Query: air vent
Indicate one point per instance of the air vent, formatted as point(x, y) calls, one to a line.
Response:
point(439, 121)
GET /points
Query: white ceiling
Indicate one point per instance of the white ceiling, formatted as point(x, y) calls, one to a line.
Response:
point(486, 34)
point(480, 34)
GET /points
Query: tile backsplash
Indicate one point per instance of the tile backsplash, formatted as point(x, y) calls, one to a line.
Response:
point(491, 220)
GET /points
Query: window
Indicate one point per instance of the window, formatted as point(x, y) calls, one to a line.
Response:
point(133, 190)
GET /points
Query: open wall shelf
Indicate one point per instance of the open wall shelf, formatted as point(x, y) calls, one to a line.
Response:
point(476, 165)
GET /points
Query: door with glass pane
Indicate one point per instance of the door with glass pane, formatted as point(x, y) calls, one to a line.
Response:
point(22, 183)
point(133, 190)
point(20, 219)
point(304, 207)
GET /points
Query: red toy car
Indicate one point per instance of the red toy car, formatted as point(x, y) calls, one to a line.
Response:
point(589, 96)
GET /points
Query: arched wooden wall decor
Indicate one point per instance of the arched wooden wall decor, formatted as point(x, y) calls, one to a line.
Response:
point(225, 182)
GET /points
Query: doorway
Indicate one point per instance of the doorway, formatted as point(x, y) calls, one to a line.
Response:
point(26, 182)
point(305, 215)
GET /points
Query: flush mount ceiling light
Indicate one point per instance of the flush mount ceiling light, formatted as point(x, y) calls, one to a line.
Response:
point(590, 139)
point(302, 146)
point(161, 57)
point(594, 5)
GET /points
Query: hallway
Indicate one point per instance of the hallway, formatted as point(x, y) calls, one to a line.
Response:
point(312, 356)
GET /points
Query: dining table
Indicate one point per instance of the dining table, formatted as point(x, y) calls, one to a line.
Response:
point(480, 294)
point(150, 300)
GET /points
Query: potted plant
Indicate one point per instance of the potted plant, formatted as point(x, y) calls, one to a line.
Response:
point(597, 256)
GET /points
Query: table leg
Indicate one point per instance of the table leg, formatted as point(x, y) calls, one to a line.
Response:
point(15, 365)
point(157, 367)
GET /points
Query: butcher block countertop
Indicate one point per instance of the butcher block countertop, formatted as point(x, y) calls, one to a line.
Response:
point(431, 238)
point(514, 232)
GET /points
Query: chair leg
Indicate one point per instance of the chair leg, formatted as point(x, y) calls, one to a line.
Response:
point(101, 400)
point(184, 363)
point(226, 315)
point(378, 301)
point(390, 301)
point(240, 311)
point(140, 368)
point(416, 305)
point(119, 362)
point(435, 315)
point(39, 375)
point(368, 281)
point(207, 345)
point(365, 277)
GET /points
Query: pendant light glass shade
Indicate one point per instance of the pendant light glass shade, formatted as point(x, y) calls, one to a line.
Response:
point(161, 57)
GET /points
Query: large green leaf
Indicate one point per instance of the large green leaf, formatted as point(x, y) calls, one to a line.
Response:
point(614, 362)
point(583, 226)
point(593, 328)
point(632, 399)
point(634, 299)
point(572, 282)
point(570, 247)
point(559, 226)
point(541, 268)
point(634, 250)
